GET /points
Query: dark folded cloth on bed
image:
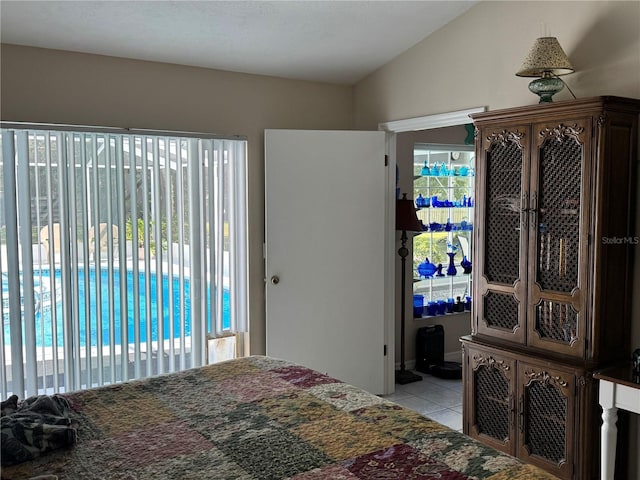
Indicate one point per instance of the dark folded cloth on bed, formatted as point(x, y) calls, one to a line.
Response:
point(36, 425)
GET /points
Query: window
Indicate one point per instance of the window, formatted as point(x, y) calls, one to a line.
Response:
point(444, 195)
point(122, 253)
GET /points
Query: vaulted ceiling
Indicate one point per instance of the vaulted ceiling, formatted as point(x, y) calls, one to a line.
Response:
point(329, 41)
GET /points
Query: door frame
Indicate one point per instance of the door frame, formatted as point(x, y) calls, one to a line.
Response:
point(448, 119)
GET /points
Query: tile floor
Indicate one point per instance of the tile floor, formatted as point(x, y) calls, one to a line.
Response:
point(436, 398)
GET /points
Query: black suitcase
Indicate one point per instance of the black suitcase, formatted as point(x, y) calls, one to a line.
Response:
point(429, 347)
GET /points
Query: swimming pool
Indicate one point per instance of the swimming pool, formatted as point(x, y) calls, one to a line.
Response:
point(88, 303)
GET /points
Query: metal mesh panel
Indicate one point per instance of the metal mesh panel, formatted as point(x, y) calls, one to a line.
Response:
point(559, 214)
point(500, 310)
point(546, 416)
point(556, 321)
point(502, 213)
point(492, 402)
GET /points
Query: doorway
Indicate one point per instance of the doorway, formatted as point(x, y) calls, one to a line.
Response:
point(399, 131)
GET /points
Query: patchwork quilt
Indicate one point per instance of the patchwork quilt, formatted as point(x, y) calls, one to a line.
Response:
point(259, 418)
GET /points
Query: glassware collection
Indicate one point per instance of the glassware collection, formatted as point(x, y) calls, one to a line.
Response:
point(443, 171)
point(422, 202)
point(444, 199)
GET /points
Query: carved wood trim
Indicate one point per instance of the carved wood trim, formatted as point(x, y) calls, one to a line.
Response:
point(506, 136)
point(561, 131)
point(488, 361)
point(545, 378)
point(602, 120)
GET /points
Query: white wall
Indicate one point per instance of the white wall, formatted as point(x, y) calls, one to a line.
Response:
point(472, 61)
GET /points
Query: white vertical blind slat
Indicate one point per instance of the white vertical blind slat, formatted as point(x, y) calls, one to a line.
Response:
point(110, 277)
point(133, 191)
point(83, 179)
point(233, 274)
point(23, 189)
point(121, 256)
point(195, 296)
point(95, 224)
point(220, 240)
point(147, 263)
point(62, 160)
point(157, 215)
point(55, 286)
point(13, 279)
point(70, 142)
point(211, 236)
point(241, 243)
point(171, 189)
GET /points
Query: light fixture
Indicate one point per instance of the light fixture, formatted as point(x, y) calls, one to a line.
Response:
point(406, 221)
point(548, 61)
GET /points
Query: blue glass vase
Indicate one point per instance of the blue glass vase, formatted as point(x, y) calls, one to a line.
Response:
point(466, 265)
point(451, 269)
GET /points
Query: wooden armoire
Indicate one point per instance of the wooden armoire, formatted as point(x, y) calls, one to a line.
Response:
point(553, 268)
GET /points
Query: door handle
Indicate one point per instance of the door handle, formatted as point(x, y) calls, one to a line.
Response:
point(275, 280)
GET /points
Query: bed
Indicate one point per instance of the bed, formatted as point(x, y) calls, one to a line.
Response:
point(259, 418)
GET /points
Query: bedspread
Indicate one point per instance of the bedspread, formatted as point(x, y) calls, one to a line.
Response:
point(260, 418)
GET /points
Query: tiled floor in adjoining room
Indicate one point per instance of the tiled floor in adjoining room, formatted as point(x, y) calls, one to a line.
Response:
point(436, 398)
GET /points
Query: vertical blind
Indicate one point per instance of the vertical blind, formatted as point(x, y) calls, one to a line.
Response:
point(121, 253)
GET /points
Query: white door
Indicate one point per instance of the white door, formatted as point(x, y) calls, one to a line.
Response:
point(325, 194)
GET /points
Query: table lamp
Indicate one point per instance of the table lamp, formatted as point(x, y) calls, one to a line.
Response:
point(548, 61)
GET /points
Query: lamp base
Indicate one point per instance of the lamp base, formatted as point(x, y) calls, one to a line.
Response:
point(546, 87)
point(405, 376)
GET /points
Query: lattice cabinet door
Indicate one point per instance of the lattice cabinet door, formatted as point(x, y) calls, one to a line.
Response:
point(502, 173)
point(558, 235)
point(491, 398)
point(546, 410)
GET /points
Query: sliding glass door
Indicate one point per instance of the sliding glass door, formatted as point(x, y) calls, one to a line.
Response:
point(122, 253)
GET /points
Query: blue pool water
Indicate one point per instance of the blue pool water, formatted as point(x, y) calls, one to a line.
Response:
point(44, 317)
